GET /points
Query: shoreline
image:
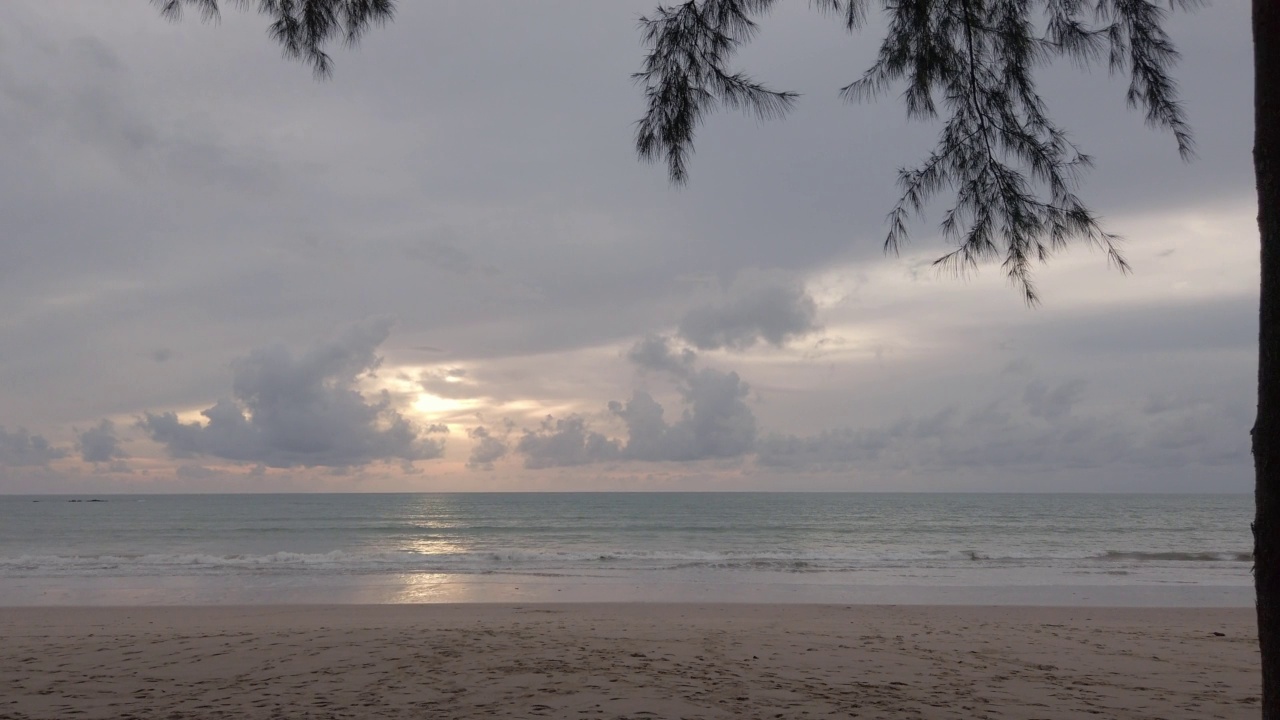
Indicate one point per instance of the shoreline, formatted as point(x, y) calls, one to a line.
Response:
point(510, 588)
point(627, 659)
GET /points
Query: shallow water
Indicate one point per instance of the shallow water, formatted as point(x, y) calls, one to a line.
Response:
point(775, 547)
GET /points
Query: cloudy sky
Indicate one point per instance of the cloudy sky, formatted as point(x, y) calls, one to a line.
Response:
point(444, 269)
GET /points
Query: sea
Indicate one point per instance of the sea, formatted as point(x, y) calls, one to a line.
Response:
point(852, 548)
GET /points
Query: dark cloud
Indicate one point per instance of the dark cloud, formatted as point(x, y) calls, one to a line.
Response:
point(444, 256)
point(655, 353)
point(1222, 323)
point(715, 421)
point(99, 444)
point(565, 442)
point(1054, 402)
point(117, 466)
point(1041, 436)
point(830, 449)
point(649, 437)
point(754, 310)
point(842, 448)
point(20, 449)
point(1158, 403)
point(303, 411)
point(488, 448)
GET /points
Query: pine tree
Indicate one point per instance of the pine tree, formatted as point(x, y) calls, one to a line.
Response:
point(1266, 430)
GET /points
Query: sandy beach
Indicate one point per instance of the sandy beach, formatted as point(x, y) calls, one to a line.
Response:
point(626, 661)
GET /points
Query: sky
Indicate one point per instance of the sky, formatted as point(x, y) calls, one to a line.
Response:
point(444, 269)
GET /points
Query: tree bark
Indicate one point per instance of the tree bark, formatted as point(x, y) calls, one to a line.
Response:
point(1266, 431)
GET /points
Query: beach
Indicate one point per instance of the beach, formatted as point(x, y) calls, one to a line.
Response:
point(586, 605)
point(626, 660)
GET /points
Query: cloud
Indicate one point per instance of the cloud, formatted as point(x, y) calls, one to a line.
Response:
point(488, 448)
point(117, 466)
point(716, 421)
point(100, 444)
point(444, 256)
point(565, 442)
point(451, 383)
point(192, 471)
point(842, 448)
point(1052, 403)
point(304, 411)
point(831, 449)
point(755, 310)
point(22, 449)
point(1044, 433)
point(654, 353)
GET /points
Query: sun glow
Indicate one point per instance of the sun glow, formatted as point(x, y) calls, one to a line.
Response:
point(439, 408)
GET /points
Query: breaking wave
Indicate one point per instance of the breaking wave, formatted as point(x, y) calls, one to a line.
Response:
point(1178, 556)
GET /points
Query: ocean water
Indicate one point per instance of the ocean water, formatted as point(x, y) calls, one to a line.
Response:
point(769, 547)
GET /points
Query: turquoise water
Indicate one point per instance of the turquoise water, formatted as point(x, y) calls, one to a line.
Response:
point(1108, 549)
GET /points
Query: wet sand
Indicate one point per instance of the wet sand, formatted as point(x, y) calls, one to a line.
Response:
point(627, 661)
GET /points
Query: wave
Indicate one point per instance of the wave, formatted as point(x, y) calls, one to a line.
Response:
point(752, 564)
point(107, 561)
point(475, 562)
point(1177, 556)
point(478, 561)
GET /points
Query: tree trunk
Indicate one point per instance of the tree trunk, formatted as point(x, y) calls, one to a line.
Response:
point(1266, 431)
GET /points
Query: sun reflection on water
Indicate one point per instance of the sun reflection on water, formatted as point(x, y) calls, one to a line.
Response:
point(434, 546)
point(428, 588)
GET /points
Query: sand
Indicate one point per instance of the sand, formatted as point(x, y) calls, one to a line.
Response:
point(626, 661)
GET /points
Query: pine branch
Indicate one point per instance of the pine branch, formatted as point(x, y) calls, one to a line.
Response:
point(302, 28)
point(686, 75)
point(1012, 170)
